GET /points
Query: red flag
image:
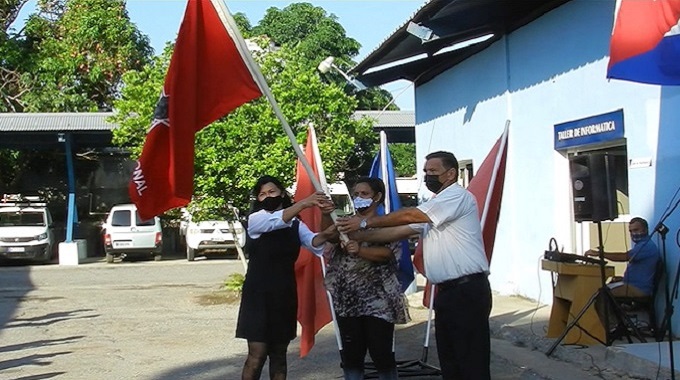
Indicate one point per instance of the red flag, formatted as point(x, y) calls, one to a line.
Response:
point(487, 187)
point(313, 308)
point(208, 77)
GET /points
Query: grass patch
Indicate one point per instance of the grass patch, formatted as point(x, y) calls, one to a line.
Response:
point(220, 297)
point(229, 294)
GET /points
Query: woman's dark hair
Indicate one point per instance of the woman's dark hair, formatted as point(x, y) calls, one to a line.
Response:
point(376, 184)
point(257, 205)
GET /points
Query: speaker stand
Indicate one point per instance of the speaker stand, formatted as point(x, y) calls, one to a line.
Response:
point(609, 302)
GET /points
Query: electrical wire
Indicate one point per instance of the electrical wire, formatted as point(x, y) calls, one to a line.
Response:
point(540, 291)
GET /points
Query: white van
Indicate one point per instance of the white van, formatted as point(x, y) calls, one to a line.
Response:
point(26, 229)
point(126, 234)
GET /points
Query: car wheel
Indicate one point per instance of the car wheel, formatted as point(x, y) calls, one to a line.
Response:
point(157, 257)
point(109, 258)
point(191, 254)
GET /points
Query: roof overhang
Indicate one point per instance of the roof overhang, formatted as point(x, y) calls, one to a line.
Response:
point(444, 33)
point(50, 130)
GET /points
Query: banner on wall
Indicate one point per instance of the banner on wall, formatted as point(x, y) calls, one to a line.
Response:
point(591, 130)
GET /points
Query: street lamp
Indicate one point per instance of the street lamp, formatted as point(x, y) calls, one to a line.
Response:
point(327, 64)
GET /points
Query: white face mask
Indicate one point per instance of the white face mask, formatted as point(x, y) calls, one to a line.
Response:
point(360, 203)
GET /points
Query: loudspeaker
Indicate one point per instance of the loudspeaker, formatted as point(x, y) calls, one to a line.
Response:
point(593, 184)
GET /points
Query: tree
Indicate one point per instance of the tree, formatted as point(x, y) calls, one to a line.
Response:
point(404, 158)
point(68, 57)
point(313, 32)
point(95, 43)
point(249, 142)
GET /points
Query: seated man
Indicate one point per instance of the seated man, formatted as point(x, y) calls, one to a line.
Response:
point(638, 280)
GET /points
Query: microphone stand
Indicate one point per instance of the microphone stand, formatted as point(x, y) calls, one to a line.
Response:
point(669, 309)
point(668, 313)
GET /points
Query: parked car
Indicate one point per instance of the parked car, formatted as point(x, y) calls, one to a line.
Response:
point(26, 229)
point(127, 235)
point(213, 236)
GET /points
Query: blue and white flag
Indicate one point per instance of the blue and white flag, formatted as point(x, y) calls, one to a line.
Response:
point(384, 169)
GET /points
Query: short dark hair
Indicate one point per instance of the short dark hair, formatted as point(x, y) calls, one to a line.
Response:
point(265, 179)
point(376, 184)
point(640, 221)
point(449, 161)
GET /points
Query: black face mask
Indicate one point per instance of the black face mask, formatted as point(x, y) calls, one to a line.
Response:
point(271, 203)
point(432, 183)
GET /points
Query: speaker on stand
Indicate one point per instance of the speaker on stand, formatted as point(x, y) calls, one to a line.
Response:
point(594, 187)
point(593, 184)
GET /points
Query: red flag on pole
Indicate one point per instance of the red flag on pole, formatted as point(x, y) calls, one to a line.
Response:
point(313, 308)
point(208, 77)
point(487, 187)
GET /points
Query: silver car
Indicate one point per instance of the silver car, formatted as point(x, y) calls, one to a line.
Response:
point(214, 236)
point(126, 234)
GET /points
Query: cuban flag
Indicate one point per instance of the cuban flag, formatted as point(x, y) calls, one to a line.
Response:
point(645, 44)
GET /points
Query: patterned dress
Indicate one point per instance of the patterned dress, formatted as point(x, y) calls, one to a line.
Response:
point(360, 287)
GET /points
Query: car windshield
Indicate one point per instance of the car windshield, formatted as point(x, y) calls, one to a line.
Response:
point(22, 218)
point(121, 218)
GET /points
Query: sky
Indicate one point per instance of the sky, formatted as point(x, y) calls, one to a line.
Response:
point(368, 21)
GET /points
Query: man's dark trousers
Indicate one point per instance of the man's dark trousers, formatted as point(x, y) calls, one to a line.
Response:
point(462, 329)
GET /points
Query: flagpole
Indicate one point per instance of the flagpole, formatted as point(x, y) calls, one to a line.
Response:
point(383, 170)
point(241, 46)
point(322, 180)
point(494, 174)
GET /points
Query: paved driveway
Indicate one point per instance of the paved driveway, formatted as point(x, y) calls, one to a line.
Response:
point(150, 320)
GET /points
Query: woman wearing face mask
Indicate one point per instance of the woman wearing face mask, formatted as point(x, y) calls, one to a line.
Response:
point(362, 279)
point(267, 316)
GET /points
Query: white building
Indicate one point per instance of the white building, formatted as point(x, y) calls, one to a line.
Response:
point(541, 65)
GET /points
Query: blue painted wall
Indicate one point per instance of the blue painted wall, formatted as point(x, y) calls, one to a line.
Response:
point(549, 72)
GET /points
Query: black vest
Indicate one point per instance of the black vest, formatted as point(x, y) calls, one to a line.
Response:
point(272, 256)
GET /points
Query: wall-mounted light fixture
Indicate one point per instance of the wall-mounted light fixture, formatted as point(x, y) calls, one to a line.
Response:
point(327, 64)
point(424, 33)
point(61, 137)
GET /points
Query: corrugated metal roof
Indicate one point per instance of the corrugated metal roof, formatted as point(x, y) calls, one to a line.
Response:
point(48, 122)
point(389, 119)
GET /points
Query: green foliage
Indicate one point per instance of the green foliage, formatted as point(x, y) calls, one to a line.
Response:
point(137, 102)
point(71, 56)
point(404, 159)
point(313, 32)
point(243, 24)
point(235, 282)
point(250, 142)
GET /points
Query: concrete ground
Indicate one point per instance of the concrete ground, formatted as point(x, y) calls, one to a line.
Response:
point(171, 320)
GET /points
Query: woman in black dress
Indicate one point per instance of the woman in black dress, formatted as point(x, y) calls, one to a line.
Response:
point(267, 316)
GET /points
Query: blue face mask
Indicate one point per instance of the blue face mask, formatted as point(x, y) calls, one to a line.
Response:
point(636, 238)
point(362, 203)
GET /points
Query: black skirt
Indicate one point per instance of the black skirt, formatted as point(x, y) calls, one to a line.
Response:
point(267, 316)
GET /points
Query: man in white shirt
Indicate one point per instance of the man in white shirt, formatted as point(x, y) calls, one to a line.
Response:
point(453, 252)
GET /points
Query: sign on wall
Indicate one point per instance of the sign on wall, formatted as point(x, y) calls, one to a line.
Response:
point(591, 130)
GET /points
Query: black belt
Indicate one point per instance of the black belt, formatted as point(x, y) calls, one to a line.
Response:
point(448, 284)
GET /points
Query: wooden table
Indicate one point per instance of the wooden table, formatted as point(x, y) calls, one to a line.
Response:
point(575, 284)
